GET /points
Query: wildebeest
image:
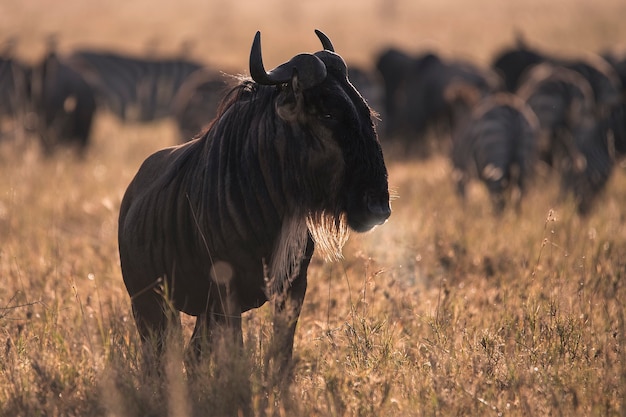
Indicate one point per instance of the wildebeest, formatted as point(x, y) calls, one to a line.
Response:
point(561, 98)
point(418, 102)
point(64, 104)
point(195, 104)
point(512, 63)
point(594, 141)
point(602, 79)
point(617, 60)
point(394, 66)
point(497, 146)
point(617, 126)
point(600, 142)
point(230, 220)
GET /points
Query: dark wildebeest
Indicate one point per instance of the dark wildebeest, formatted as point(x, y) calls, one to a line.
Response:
point(393, 65)
point(600, 142)
point(64, 104)
point(418, 102)
point(617, 60)
point(617, 125)
point(195, 104)
point(497, 146)
point(586, 181)
point(512, 63)
point(602, 79)
point(561, 98)
point(230, 220)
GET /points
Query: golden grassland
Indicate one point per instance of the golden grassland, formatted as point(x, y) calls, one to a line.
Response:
point(444, 310)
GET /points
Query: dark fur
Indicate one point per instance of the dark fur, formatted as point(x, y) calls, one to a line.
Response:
point(562, 99)
point(497, 146)
point(512, 63)
point(239, 199)
point(601, 143)
point(416, 92)
point(586, 181)
point(64, 103)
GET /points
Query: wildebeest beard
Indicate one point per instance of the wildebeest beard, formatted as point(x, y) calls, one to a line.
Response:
point(329, 232)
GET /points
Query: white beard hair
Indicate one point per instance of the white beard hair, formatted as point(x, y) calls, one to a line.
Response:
point(329, 235)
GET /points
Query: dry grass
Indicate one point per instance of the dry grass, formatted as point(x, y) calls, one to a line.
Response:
point(442, 311)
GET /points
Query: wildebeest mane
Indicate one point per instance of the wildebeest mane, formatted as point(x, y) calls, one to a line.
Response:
point(235, 172)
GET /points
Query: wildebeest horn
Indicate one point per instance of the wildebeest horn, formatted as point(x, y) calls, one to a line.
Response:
point(326, 43)
point(328, 55)
point(332, 61)
point(309, 68)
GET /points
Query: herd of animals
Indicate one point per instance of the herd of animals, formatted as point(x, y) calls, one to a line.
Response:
point(287, 161)
point(529, 108)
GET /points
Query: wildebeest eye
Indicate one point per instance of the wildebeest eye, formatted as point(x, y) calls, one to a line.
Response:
point(328, 117)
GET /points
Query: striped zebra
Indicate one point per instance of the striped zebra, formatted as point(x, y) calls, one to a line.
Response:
point(134, 88)
point(14, 93)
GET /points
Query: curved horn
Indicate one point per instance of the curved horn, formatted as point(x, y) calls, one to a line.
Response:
point(310, 69)
point(257, 70)
point(326, 43)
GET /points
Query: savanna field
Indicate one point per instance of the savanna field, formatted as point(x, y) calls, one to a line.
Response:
point(444, 310)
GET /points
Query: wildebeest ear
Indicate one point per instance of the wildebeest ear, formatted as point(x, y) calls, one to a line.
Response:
point(290, 102)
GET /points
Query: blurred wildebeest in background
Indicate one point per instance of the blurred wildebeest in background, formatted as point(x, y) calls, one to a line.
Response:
point(617, 60)
point(497, 144)
point(230, 220)
point(195, 104)
point(134, 88)
point(617, 125)
point(63, 102)
point(418, 104)
point(602, 78)
point(369, 85)
point(561, 98)
point(600, 142)
point(513, 62)
point(393, 65)
point(579, 104)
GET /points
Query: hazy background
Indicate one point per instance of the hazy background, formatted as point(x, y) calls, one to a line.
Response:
point(221, 31)
point(444, 310)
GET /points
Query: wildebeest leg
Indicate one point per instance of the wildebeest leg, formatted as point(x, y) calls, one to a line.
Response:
point(217, 335)
point(222, 319)
point(519, 190)
point(460, 180)
point(498, 201)
point(287, 309)
point(153, 318)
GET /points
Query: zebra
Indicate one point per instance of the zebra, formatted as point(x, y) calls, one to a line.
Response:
point(133, 88)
